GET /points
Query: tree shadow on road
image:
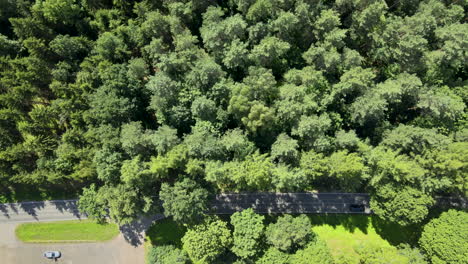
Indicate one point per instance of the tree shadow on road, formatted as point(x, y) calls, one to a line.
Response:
point(70, 206)
point(134, 233)
point(31, 208)
point(4, 210)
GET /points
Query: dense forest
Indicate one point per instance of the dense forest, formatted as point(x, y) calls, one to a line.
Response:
point(125, 102)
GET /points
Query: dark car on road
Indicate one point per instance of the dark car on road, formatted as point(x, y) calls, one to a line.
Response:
point(357, 208)
point(52, 254)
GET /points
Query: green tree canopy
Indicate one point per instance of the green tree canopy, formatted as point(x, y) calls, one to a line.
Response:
point(444, 238)
point(204, 242)
point(185, 201)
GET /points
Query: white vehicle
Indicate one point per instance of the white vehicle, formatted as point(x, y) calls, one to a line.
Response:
point(52, 254)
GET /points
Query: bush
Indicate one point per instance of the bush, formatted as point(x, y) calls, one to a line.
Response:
point(168, 254)
point(445, 239)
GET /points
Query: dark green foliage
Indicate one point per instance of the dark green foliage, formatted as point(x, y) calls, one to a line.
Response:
point(185, 201)
point(239, 95)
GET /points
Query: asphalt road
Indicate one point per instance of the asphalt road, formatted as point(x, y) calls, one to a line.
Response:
point(226, 203)
point(40, 211)
point(222, 204)
point(290, 202)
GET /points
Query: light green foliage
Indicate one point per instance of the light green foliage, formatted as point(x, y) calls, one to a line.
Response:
point(403, 205)
point(111, 47)
point(348, 169)
point(92, 204)
point(442, 106)
point(290, 179)
point(414, 255)
point(373, 253)
point(236, 143)
point(108, 164)
point(237, 95)
point(133, 139)
point(203, 142)
point(448, 168)
point(289, 233)
point(260, 118)
point(285, 149)
point(123, 202)
point(444, 238)
point(347, 140)
point(164, 139)
point(311, 130)
point(218, 34)
point(108, 107)
point(166, 254)
point(134, 173)
point(274, 256)
point(253, 173)
point(387, 165)
point(401, 92)
point(353, 83)
point(185, 201)
point(70, 48)
point(271, 53)
point(74, 231)
point(58, 11)
point(453, 38)
point(204, 109)
point(315, 252)
point(314, 164)
point(412, 140)
point(164, 95)
point(204, 242)
point(170, 164)
point(248, 230)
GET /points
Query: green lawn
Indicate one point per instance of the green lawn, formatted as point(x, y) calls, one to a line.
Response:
point(164, 232)
point(341, 232)
point(66, 231)
point(344, 232)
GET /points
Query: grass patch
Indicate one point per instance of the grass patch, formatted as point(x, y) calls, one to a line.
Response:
point(165, 232)
point(344, 232)
point(66, 231)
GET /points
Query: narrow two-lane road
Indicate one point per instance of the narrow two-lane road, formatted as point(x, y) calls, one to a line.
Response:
point(227, 203)
point(47, 211)
point(222, 204)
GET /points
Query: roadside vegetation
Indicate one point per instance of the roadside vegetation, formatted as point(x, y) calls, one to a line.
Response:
point(66, 231)
point(145, 106)
point(247, 237)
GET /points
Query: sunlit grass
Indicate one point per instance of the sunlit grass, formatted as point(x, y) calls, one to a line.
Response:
point(66, 231)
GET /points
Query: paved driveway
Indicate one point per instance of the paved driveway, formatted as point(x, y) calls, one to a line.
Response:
point(116, 251)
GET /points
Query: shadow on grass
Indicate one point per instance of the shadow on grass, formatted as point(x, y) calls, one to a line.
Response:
point(350, 222)
point(396, 234)
point(166, 232)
